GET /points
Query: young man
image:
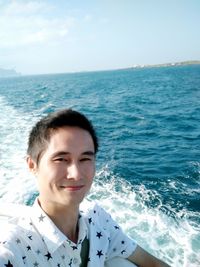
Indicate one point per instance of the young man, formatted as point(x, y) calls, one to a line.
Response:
point(55, 231)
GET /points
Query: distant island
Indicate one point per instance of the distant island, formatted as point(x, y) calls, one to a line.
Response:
point(183, 63)
point(8, 73)
point(4, 73)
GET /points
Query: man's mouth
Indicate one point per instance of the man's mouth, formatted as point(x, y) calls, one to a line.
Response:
point(72, 187)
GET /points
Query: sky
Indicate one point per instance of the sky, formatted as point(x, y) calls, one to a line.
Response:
point(58, 36)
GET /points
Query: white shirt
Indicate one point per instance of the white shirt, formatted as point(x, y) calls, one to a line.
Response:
point(33, 240)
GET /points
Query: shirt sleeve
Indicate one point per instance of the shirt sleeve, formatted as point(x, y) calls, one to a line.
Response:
point(120, 245)
point(10, 255)
point(7, 257)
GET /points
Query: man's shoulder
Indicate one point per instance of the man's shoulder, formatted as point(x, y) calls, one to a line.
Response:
point(9, 231)
point(11, 210)
point(88, 207)
point(93, 210)
point(13, 221)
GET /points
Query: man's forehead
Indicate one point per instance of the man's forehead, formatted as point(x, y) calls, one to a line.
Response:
point(69, 130)
point(74, 135)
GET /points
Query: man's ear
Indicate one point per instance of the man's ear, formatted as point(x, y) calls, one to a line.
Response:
point(32, 165)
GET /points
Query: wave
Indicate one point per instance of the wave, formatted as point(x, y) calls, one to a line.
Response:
point(169, 234)
point(172, 236)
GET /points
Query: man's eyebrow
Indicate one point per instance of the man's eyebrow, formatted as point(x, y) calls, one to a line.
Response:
point(60, 153)
point(88, 153)
point(65, 153)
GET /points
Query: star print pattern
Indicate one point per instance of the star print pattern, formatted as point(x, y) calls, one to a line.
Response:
point(99, 235)
point(18, 241)
point(24, 259)
point(38, 251)
point(8, 264)
point(38, 242)
point(48, 255)
point(99, 253)
point(41, 218)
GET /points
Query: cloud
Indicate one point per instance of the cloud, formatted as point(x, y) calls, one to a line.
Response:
point(23, 7)
point(30, 23)
point(87, 18)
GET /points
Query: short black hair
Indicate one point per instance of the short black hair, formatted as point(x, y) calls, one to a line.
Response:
point(41, 133)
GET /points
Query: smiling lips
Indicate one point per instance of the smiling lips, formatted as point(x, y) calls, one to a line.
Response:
point(73, 188)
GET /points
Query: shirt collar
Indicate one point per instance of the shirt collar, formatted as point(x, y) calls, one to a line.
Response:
point(52, 236)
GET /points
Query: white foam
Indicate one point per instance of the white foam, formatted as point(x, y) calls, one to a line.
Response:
point(175, 239)
point(16, 183)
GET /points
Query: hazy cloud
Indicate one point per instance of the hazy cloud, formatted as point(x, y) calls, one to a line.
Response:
point(87, 18)
point(23, 7)
point(25, 23)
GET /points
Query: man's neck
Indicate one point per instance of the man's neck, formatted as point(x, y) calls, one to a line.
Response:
point(64, 217)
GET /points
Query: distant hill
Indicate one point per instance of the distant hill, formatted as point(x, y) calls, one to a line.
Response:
point(8, 73)
point(182, 63)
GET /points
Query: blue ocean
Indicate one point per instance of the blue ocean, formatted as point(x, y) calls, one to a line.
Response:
point(148, 165)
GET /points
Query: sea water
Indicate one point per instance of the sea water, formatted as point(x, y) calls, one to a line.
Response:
point(148, 165)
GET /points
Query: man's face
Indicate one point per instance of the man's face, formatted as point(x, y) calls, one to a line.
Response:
point(66, 168)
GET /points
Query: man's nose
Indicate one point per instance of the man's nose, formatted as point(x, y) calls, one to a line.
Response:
point(73, 171)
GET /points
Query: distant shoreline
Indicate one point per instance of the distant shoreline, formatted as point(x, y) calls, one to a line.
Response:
point(171, 64)
point(5, 73)
point(9, 73)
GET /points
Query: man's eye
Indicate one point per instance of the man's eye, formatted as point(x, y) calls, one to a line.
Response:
point(60, 159)
point(86, 159)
